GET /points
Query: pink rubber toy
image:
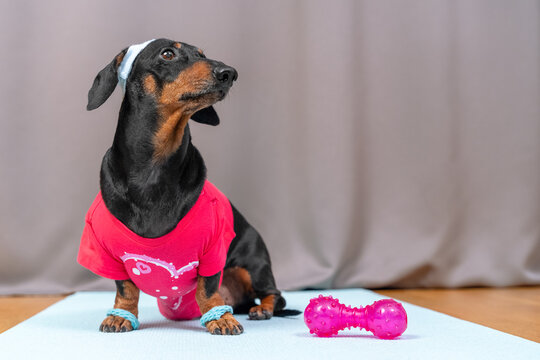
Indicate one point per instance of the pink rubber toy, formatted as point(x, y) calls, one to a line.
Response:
point(325, 316)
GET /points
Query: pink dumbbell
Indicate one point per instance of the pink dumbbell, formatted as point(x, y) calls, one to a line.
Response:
point(325, 316)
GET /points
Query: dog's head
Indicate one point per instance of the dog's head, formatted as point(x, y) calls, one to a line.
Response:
point(173, 77)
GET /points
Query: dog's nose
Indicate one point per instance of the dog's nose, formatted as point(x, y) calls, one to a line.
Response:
point(225, 74)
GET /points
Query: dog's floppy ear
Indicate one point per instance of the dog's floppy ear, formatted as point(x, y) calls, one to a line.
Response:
point(206, 116)
point(105, 82)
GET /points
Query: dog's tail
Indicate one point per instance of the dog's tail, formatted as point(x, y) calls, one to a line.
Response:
point(280, 310)
point(287, 312)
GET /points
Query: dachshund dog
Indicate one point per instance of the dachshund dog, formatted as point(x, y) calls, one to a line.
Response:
point(158, 225)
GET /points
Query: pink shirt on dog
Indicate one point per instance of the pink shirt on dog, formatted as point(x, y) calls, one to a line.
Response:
point(164, 267)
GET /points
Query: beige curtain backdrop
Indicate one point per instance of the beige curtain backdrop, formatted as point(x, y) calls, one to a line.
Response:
point(372, 143)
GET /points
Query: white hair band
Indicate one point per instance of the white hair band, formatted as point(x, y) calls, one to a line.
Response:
point(125, 67)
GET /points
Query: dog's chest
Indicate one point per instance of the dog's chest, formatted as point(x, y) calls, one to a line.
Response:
point(166, 267)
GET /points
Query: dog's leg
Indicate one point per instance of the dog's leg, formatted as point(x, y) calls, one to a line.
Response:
point(236, 289)
point(207, 297)
point(239, 290)
point(265, 289)
point(265, 310)
point(248, 262)
point(127, 298)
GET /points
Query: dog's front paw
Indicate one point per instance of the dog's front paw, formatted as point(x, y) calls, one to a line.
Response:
point(115, 324)
point(260, 312)
point(226, 325)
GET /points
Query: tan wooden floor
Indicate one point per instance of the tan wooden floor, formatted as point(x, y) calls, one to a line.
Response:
point(512, 310)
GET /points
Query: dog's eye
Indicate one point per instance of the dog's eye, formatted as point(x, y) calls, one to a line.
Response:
point(167, 54)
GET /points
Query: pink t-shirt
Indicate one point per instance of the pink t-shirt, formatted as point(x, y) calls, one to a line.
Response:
point(164, 267)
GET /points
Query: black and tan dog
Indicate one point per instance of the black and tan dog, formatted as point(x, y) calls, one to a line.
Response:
point(153, 175)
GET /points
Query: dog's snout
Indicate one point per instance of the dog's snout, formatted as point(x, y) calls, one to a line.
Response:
point(225, 74)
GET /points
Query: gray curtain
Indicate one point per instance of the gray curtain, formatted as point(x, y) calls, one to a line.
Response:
point(372, 143)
